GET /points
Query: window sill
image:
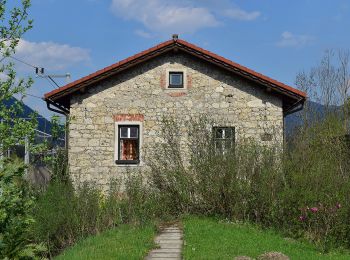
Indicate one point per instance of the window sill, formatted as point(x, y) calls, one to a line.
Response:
point(170, 89)
point(124, 162)
point(176, 86)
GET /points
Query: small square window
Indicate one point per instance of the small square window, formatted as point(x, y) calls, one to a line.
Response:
point(176, 80)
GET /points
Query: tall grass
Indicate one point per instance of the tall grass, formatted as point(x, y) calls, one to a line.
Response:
point(65, 214)
point(302, 191)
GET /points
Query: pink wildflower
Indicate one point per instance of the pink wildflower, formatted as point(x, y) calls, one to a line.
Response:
point(314, 209)
point(302, 218)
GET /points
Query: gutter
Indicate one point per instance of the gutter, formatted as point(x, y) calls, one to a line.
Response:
point(58, 108)
point(296, 107)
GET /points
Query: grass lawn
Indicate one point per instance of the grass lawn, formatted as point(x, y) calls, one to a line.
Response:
point(210, 239)
point(123, 242)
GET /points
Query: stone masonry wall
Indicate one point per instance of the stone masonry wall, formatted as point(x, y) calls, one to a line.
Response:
point(140, 94)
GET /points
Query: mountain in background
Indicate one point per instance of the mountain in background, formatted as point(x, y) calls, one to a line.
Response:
point(44, 125)
point(291, 121)
point(295, 120)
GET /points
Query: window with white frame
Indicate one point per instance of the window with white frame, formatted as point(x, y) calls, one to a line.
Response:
point(224, 139)
point(128, 144)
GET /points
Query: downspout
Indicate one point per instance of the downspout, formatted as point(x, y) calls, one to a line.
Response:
point(63, 111)
point(292, 110)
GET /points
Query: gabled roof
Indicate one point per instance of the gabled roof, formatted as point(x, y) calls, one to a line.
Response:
point(291, 97)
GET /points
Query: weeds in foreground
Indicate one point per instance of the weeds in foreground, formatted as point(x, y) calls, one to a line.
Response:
point(302, 192)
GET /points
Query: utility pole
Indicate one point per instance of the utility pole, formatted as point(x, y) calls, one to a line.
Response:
point(40, 72)
point(26, 153)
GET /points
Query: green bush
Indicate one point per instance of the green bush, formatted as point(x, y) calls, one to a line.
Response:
point(16, 220)
point(302, 191)
point(64, 215)
point(315, 198)
point(241, 184)
point(139, 204)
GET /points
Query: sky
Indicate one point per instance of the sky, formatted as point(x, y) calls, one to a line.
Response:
point(278, 38)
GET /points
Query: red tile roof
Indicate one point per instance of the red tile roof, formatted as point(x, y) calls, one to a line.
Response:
point(61, 95)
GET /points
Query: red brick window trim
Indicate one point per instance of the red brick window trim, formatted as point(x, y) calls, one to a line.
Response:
point(176, 71)
point(189, 81)
point(128, 117)
point(177, 94)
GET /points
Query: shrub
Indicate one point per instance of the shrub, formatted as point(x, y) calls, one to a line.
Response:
point(64, 215)
point(302, 192)
point(203, 181)
point(15, 218)
point(59, 164)
point(139, 203)
point(258, 183)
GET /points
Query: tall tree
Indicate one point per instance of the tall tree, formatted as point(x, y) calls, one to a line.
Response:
point(14, 23)
point(328, 83)
point(16, 202)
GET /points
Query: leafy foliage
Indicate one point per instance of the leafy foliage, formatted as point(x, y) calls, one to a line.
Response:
point(16, 201)
point(13, 129)
point(15, 218)
point(260, 184)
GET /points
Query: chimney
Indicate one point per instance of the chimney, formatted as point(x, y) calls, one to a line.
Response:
point(175, 37)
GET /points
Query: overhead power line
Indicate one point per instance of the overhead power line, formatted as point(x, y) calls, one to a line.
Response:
point(39, 71)
point(17, 59)
point(22, 61)
point(27, 94)
point(50, 82)
point(53, 81)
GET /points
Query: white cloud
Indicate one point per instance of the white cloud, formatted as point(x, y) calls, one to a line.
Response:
point(165, 16)
point(143, 34)
point(239, 14)
point(289, 39)
point(51, 55)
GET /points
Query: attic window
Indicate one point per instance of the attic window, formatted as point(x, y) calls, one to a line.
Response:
point(176, 79)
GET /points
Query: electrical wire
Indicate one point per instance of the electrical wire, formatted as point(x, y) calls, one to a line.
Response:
point(39, 117)
point(51, 81)
point(17, 59)
point(48, 78)
point(27, 94)
point(4, 57)
point(24, 62)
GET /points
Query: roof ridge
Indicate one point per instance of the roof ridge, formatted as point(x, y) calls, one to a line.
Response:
point(70, 87)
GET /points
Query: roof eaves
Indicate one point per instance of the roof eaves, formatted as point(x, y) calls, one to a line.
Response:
point(102, 73)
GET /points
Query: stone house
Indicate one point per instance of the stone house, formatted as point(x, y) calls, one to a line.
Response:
point(116, 112)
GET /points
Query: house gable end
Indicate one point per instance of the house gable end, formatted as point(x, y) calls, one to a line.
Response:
point(62, 95)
